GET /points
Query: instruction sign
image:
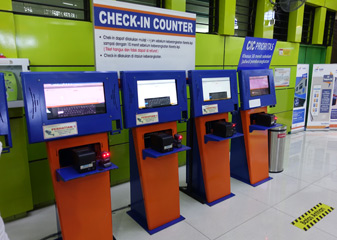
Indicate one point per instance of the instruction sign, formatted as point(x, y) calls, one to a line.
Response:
point(256, 53)
point(136, 37)
point(300, 98)
point(333, 116)
point(282, 77)
point(322, 86)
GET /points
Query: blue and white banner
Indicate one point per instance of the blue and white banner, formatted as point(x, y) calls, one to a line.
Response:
point(322, 86)
point(137, 37)
point(256, 53)
point(300, 98)
point(333, 116)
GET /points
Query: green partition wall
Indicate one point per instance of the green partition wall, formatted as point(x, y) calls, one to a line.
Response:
point(53, 44)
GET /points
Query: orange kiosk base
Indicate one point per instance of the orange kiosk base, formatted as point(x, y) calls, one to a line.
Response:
point(251, 162)
point(208, 176)
point(154, 180)
point(83, 200)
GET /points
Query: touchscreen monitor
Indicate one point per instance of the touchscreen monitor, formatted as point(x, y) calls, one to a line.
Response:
point(74, 99)
point(156, 93)
point(216, 88)
point(259, 85)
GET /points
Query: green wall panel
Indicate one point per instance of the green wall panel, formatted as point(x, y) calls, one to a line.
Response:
point(7, 35)
point(331, 4)
point(285, 118)
point(51, 41)
point(123, 137)
point(284, 100)
point(263, 26)
point(42, 186)
point(15, 187)
point(233, 49)
point(36, 151)
point(120, 157)
point(209, 49)
point(226, 17)
point(328, 55)
point(285, 53)
point(6, 5)
point(316, 2)
point(319, 24)
point(178, 5)
point(295, 25)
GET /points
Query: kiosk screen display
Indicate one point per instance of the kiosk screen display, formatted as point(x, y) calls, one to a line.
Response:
point(216, 88)
point(156, 93)
point(74, 99)
point(259, 85)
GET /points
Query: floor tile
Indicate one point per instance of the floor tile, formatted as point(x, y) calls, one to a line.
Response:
point(217, 220)
point(328, 182)
point(125, 228)
point(307, 198)
point(271, 192)
point(275, 225)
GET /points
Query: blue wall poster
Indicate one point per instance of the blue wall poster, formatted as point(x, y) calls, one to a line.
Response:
point(300, 98)
point(256, 53)
point(322, 88)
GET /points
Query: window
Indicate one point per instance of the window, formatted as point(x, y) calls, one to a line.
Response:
point(245, 18)
point(281, 25)
point(207, 12)
point(152, 3)
point(328, 29)
point(308, 24)
point(68, 9)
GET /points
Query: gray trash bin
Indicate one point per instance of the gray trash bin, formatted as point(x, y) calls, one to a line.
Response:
point(276, 138)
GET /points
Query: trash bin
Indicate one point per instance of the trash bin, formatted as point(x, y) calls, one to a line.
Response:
point(276, 138)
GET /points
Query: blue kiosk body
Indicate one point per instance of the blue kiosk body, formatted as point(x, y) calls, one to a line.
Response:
point(4, 118)
point(249, 155)
point(153, 101)
point(213, 95)
point(72, 112)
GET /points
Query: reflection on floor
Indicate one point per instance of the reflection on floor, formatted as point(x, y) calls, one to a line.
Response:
point(264, 212)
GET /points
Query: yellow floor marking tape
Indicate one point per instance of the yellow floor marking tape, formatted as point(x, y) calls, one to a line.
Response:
point(311, 217)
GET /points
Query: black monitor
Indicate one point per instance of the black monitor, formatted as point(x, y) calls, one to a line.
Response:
point(216, 88)
point(156, 93)
point(65, 100)
point(259, 85)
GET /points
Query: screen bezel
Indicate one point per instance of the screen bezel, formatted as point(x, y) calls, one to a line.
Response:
point(196, 90)
point(165, 114)
point(4, 124)
point(244, 84)
point(35, 105)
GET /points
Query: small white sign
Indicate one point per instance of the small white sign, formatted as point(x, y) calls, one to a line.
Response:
point(255, 103)
point(208, 109)
point(282, 77)
point(60, 130)
point(147, 118)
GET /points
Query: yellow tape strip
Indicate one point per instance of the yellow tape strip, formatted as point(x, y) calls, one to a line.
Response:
point(313, 216)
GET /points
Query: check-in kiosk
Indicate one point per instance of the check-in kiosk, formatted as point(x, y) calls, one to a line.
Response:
point(213, 95)
point(153, 102)
point(5, 130)
point(249, 155)
point(72, 112)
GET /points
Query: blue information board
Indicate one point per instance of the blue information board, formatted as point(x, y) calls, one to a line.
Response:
point(213, 91)
point(4, 119)
point(256, 53)
point(69, 104)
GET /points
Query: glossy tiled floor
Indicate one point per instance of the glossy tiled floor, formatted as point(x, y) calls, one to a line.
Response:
point(264, 212)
